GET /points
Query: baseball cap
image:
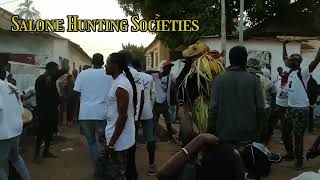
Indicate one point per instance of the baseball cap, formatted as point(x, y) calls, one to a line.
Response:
point(166, 63)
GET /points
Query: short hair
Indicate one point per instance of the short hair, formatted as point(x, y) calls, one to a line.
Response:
point(97, 59)
point(238, 56)
point(51, 65)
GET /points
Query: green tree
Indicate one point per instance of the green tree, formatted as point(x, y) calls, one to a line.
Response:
point(26, 10)
point(208, 13)
point(137, 53)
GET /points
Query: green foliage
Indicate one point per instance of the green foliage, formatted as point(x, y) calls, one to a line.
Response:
point(137, 53)
point(27, 11)
point(209, 14)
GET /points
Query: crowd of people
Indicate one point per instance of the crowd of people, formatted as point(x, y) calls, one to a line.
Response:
point(112, 102)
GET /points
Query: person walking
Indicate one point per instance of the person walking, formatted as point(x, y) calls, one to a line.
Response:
point(92, 86)
point(120, 130)
point(48, 100)
point(11, 126)
point(298, 101)
point(70, 101)
point(148, 123)
point(237, 110)
point(162, 84)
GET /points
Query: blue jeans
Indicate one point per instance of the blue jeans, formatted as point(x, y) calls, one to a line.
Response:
point(9, 150)
point(91, 129)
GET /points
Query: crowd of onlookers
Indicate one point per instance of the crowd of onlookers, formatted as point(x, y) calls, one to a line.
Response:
point(111, 103)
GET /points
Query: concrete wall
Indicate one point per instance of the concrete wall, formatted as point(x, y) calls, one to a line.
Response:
point(23, 43)
point(273, 46)
point(45, 49)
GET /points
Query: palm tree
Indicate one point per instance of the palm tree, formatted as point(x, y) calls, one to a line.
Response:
point(27, 11)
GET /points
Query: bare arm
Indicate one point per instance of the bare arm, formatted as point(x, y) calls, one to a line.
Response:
point(141, 104)
point(122, 102)
point(173, 167)
point(315, 62)
point(285, 53)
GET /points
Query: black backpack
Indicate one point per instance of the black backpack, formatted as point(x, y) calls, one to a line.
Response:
point(312, 88)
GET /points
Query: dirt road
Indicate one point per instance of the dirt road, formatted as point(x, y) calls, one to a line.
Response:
point(74, 162)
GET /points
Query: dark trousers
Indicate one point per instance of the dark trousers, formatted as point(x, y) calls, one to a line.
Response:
point(131, 172)
point(70, 111)
point(156, 115)
point(294, 127)
point(311, 120)
point(47, 122)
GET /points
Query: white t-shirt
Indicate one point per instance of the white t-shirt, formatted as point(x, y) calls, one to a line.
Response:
point(139, 87)
point(282, 94)
point(147, 107)
point(94, 86)
point(297, 95)
point(127, 138)
point(11, 110)
point(162, 87)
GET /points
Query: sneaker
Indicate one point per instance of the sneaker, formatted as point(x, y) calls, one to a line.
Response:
point(152, 170)
point(288, 157)
point(49, 155)
point(299, 164)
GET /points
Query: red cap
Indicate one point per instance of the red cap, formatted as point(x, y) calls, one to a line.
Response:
point(167, 63)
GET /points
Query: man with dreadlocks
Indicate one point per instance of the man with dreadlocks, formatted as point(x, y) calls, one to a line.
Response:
point(120, 130)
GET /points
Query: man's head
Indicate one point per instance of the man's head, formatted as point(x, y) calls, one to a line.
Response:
point(280, 70)
point(166, 67)
point(65, 65)
point(294, 61)
point(238, 56)
point(97, 60)
point(52, 68)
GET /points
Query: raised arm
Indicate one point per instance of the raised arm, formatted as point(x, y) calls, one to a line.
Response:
point(315, 62)
point(285, 53)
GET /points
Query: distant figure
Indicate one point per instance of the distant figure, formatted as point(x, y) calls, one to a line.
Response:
point(75, 72)
point(70, 101)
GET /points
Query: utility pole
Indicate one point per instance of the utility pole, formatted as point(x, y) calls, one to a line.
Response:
point(241, 28)
point(223, 31)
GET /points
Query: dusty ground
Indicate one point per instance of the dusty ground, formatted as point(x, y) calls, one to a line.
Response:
point(75, 164)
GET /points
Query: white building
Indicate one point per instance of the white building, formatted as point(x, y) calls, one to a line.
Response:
point(270, 50)
point(36, 49)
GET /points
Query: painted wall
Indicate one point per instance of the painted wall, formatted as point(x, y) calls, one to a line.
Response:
point(273, 46)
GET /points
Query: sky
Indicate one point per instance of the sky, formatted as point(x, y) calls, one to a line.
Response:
point(91, 42)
